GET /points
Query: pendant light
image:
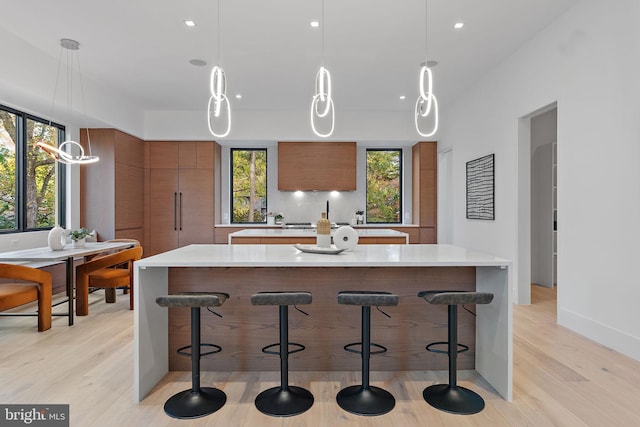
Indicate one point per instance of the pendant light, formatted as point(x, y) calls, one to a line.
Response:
point(218, 102)
point(69, 152)
point(322, 101)
point(427, 103)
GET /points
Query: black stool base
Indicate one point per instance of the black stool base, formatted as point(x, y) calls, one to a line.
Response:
point(455, 400)
point(190, 404)
point(365, 401)
point(287, 402)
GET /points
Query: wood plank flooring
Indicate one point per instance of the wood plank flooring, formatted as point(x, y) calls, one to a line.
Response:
point(560, 378)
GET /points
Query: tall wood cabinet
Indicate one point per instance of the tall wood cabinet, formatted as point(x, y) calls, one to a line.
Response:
point(179, 186)
point(112, 190)
point(425, 190)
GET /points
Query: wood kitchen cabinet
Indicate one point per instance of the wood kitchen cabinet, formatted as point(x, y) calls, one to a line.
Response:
point(180, 205)
point(425, 190)
point(112, 190)
point(316, 166)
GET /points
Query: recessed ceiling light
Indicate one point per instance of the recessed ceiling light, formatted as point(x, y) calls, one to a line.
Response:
point(189, 23)
point(458, 25)
point(402, 97)
point(197, 62)
point(238, 96)
point(315, 24)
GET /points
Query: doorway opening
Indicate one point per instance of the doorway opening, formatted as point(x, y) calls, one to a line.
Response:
point(537, 201)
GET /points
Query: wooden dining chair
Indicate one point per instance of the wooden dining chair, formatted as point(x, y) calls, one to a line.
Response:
point(34, 285)
point(106, 272)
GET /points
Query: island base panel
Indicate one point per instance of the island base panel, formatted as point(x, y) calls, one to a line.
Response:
point(245, 329)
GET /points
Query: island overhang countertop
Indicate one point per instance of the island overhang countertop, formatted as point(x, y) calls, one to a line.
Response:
point(288, 256)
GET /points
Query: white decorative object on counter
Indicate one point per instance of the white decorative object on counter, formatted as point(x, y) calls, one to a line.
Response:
point(312, 249)
point(57, 238)
point(345, 237)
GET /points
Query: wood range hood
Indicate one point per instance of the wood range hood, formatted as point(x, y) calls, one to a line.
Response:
point(316, 166)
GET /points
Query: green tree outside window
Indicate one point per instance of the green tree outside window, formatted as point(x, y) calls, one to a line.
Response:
point(384, 186)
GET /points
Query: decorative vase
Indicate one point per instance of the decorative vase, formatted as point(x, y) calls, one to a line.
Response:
point(57, 238)
point(323, 232)
point(79, 243)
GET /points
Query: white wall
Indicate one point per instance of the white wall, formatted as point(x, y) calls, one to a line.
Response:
point(587, 61)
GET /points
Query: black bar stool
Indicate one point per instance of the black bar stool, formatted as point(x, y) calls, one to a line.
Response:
point(197, 401)
point(286, 400)
point(451, 397)
point(366, 399)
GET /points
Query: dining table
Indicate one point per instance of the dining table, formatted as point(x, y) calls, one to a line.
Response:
point(66, 255)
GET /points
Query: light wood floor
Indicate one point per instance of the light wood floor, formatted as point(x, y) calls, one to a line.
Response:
point(560, 378)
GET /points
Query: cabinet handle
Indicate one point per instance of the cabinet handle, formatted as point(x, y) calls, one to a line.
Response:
point(181, 211)
point(175, 218)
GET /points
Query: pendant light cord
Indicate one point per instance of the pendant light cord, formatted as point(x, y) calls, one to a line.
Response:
point(218, 32)
point(322, 33)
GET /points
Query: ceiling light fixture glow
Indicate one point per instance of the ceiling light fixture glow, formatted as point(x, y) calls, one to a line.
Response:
point(427, 101)
point(458, 25)
point(322, 101)
point(189, 23)
point(64, 153)
point(218, 102)
point(315, 24)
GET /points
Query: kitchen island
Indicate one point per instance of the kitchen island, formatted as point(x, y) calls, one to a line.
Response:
point(308, 236)
point(241, 270)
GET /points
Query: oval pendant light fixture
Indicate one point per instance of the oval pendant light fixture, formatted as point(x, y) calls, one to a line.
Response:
point(218, 102)
point(427, 103)
point(322, 101)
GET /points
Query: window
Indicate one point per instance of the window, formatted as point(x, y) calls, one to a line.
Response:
point(384, 186)
point(28, 178)
point(248, 185)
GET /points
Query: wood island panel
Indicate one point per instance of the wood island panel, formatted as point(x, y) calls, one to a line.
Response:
point(245, 329)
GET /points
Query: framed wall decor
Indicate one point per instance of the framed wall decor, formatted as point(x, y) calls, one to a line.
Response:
point(481, 188)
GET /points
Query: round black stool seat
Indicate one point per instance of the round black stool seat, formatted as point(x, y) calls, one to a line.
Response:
point(451, 397)
point(197, 401)
point(285, 400)
point(365, 399)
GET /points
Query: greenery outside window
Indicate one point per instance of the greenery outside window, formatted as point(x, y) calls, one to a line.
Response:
point(248, 185)
point(28, 178)
point(384, 186)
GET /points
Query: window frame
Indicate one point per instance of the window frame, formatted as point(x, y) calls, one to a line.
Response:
point(21, 173)
point(231, 151)
point(400, 189)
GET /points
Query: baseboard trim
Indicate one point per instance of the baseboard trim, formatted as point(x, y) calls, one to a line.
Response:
point(607, 336)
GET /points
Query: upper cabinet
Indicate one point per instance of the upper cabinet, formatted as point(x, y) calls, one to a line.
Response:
point(317, 166)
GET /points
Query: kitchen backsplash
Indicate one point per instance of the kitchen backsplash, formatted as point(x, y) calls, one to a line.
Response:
point(308, 205)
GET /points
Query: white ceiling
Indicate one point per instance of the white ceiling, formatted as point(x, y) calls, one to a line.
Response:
point(270, 53)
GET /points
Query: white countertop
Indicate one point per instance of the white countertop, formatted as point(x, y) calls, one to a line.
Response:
point(289, 232)
point(288, 256)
